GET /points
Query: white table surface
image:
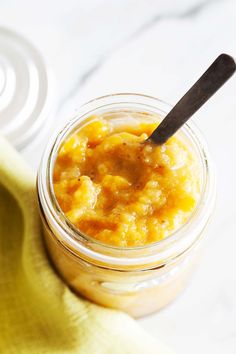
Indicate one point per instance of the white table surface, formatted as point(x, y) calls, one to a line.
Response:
point(95, 47)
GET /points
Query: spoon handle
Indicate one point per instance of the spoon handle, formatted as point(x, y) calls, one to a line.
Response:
point(215, 76)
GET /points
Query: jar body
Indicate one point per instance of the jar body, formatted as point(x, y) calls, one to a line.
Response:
point(138, 281)
point(138, 293)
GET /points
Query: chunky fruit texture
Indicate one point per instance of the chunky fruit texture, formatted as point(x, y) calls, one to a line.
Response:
point(121, 190)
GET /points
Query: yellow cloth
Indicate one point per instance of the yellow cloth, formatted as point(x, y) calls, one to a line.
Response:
point(38, 312)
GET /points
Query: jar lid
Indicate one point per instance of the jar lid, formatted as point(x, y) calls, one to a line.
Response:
point(24, 89)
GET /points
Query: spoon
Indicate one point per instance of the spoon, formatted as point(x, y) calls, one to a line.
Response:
point(216, 75)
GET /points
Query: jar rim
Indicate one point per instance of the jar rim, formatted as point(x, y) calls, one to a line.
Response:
point(156, 253)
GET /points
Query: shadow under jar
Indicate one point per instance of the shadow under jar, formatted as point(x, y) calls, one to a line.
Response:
point(138, 280)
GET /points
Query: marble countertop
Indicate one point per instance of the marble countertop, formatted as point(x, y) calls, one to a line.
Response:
point(155, 47)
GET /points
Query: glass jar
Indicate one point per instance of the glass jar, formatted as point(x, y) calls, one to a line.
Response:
point(138, 280)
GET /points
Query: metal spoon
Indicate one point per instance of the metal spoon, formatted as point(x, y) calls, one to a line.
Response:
point(215, 76)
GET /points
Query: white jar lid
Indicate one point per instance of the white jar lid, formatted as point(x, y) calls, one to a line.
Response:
point(25, 93)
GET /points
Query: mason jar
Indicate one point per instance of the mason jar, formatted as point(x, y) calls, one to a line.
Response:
point(138, 280)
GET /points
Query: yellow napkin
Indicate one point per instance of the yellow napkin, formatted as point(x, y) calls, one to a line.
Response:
point(38, 312)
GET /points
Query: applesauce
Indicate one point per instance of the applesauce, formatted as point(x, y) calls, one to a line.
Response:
point(121, 189)
point(122, 217)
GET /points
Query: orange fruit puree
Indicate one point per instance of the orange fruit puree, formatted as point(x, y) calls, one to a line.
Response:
point(121, 190)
